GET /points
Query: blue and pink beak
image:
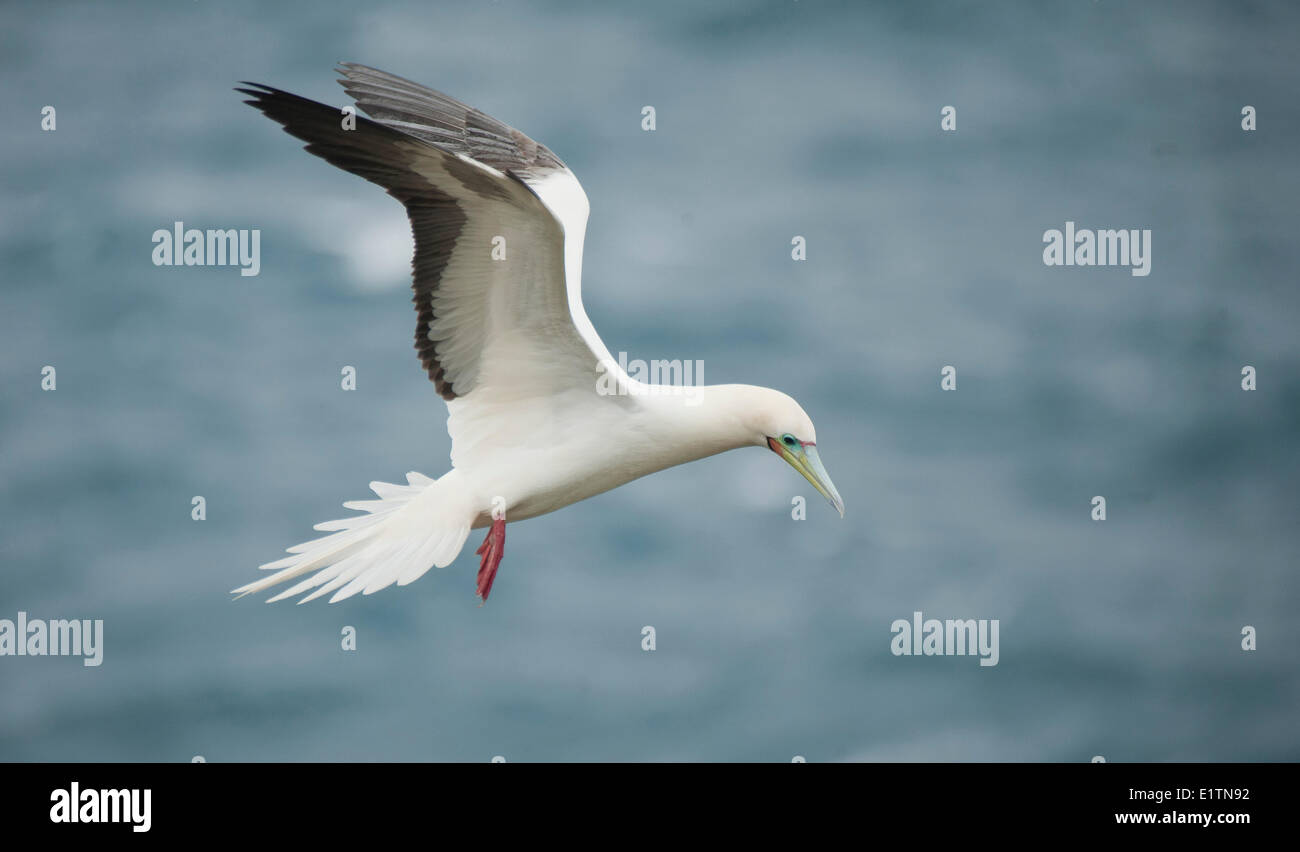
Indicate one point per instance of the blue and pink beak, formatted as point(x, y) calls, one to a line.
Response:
point(803, 458)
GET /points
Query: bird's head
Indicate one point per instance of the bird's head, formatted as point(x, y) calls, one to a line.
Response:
point(785, 429)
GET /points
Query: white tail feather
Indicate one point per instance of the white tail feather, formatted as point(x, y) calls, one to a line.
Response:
point(408, 530)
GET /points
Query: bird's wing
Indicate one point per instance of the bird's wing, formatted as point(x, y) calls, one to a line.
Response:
point(498, 223)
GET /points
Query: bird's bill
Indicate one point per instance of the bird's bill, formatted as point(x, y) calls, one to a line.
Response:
point(805, 460)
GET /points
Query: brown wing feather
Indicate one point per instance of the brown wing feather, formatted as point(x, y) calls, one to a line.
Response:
point(445, 122)
point(385, 156)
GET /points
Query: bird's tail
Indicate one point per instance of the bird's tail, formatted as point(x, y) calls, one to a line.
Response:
point(409, 529)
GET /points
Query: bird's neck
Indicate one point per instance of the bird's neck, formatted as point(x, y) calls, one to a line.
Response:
point(692, 423)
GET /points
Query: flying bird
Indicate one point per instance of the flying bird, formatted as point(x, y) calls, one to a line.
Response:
point(540, 415)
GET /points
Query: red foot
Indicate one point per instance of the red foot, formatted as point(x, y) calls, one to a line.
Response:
point(492, 549)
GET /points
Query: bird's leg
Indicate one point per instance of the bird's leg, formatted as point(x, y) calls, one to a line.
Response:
point(492, 549)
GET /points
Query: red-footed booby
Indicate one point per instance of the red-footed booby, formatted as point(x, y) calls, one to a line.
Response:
point(540, 414)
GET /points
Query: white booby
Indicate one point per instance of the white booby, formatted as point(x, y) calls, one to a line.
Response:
point(540, 414)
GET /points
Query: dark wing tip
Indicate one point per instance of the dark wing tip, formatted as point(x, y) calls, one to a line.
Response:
point(261, 95)
point(381, 155)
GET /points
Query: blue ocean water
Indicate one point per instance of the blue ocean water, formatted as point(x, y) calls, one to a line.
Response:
point(1119, 638)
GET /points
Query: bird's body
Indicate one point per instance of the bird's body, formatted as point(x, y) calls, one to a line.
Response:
point(540, 414)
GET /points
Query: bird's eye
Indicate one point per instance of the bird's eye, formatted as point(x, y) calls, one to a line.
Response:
point(788, 440)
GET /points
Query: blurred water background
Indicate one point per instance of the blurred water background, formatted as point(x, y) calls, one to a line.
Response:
point(1118, 638)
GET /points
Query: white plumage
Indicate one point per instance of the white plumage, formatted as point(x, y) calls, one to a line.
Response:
point(506, 342)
